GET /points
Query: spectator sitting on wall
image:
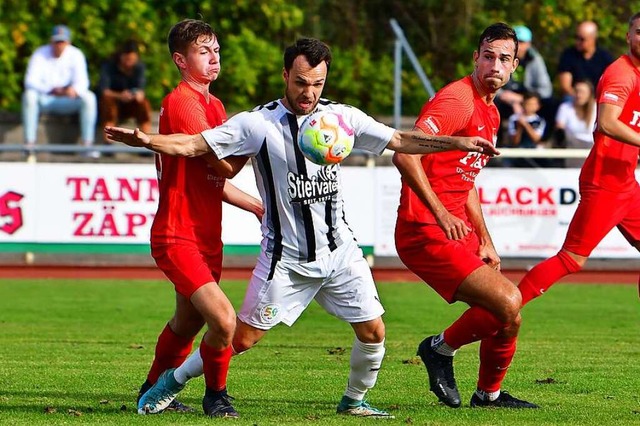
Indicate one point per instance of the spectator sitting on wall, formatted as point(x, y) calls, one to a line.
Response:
point(121, 88)
point(57, 82)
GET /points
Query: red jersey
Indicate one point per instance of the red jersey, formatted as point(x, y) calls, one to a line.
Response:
point(611, 164)
point(190, 202)
point(456, 110)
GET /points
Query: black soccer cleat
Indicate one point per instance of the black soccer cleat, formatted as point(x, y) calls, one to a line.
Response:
point(440, 370)
point(218, 404)
point(504, 400)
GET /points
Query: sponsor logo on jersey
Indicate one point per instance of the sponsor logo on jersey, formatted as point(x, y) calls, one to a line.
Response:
point(610, 96)
point(269, 313)
point(313, 189)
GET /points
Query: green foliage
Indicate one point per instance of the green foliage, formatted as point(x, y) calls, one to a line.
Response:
point(83, 347)
point(253, 34)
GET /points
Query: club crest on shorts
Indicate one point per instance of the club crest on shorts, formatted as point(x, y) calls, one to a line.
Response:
point(269, 313)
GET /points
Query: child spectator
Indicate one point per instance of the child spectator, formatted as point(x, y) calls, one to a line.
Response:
point(526, 130)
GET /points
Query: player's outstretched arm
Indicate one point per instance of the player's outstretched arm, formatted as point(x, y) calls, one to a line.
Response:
point(176, 144)
point(416, 142)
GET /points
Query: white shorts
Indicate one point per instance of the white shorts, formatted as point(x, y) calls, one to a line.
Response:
point(341, 282)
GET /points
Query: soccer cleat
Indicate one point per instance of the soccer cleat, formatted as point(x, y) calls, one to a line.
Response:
point(179, 407)
point(161, 395)
point(353, 407)
point(504, 400)
point(440, 370)
point(218, 404)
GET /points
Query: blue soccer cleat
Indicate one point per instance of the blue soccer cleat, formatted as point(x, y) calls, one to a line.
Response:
point(161, 395)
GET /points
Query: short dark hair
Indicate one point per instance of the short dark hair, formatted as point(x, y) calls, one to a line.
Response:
point(498, 31)
point(186, 32)
point(129, 46)
point(313, 49)
point(633, 18)
point(531, 94)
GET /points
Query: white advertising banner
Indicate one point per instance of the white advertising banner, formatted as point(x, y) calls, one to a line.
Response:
point(116, 203)
point(527, 212)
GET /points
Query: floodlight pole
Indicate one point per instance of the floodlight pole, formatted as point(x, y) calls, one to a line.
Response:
point(400, 45)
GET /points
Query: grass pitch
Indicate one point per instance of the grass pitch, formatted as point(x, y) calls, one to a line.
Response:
point(77, 352)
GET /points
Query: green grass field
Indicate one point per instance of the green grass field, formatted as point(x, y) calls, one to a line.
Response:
point(76, 353)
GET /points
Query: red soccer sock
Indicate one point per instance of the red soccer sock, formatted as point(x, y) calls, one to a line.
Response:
point(475, 324)
point(171, 351)
point(215, 363)
point(496, 354)
point(544, 275)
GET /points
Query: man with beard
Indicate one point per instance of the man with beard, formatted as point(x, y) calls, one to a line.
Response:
point(441, 235)
point(308, 251)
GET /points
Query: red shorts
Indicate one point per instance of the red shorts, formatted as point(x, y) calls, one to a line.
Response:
point(441, 263)
point(598, 212)
point(187, 267)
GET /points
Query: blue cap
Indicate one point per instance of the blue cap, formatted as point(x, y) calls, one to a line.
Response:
point(61, 33)
point(523, 33)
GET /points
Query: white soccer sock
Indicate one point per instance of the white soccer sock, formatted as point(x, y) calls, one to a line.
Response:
point(488, 396)
point(441, 347)
point(366, 359)
point(190, 368)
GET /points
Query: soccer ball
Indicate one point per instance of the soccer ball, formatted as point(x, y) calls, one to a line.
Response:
point(325, 138)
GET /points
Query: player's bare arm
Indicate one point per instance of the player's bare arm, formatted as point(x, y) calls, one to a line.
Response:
point(609, 124)
point(416, 142)
point(176, 144)
point(227, 167)
point(413, 174)
point(487, 250)
point(237, 197)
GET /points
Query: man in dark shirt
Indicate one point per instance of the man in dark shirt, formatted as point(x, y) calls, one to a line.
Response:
point(584, 61)
point(121, 88)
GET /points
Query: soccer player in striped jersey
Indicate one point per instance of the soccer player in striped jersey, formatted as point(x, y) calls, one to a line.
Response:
point(308, 250)
point(186, 240)
point(441, 234)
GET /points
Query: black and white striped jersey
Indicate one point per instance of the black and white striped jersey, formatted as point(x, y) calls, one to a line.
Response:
point(304, 216)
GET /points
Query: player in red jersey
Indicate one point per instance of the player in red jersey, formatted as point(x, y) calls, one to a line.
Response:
point(441, 234)
point(609, 191)
point(186, 233)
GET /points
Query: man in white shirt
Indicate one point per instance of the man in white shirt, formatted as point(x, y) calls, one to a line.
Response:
point(57, 82)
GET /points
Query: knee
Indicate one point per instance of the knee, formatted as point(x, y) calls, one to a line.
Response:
point(512, 329)
point(509, 310)
point(225, 328)
point(373, 332)
point(242, 342)
point(88, 100)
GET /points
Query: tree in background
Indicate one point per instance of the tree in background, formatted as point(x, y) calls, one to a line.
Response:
point(253, 34)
